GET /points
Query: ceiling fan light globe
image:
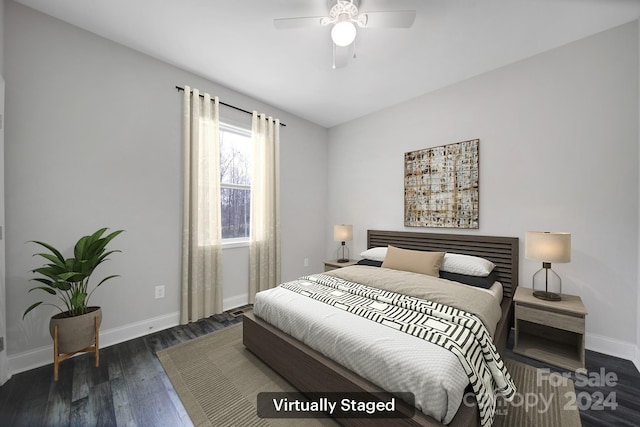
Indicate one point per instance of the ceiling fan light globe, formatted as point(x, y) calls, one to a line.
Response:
point(343, 33)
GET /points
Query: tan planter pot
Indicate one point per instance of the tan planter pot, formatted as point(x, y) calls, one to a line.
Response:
point(75, 333)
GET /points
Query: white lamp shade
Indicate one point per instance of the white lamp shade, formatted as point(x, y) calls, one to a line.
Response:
point(548, 246)
point(342, 232)
point(343, 33)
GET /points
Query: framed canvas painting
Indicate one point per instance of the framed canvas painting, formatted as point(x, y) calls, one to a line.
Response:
point(441, 186)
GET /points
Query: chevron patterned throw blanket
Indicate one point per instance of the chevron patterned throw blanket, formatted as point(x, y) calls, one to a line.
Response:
point(458, 331)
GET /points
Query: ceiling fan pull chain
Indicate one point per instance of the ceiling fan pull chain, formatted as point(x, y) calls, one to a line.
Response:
point(334, 56)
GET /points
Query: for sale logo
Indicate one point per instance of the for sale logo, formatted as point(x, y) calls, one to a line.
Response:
point(541, 401)
point(584, 400)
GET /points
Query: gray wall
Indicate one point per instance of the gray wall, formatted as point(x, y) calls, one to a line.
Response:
point(93, 138)
point(558, 151)
point(4, 364)
point(2, 37)
point(637, 357)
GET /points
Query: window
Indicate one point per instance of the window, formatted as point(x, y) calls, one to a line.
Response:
point(235, 182)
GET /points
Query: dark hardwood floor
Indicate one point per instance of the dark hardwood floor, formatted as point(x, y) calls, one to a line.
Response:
point(600, 404)
point(130, 388)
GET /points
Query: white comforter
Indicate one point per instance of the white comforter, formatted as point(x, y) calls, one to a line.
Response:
point(390, 359)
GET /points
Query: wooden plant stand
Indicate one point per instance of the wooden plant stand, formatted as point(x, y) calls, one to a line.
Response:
point(60, 357)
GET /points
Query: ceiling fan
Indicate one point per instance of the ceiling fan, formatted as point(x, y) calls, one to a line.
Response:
point(344, 17)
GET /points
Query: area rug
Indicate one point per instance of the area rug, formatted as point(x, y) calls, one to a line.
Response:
point(543, 399)
point(218, 382)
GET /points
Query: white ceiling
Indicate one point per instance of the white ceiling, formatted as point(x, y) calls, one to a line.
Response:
point(234, 43)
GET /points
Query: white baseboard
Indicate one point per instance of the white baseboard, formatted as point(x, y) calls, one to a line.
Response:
point(613, 347)
point(139, 329)
point(5, 373)
point(35, 358)
point(234, 302)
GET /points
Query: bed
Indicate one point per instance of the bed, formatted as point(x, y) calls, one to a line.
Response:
point(309, 371)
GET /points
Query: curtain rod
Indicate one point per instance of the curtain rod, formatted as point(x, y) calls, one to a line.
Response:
point(227, 105)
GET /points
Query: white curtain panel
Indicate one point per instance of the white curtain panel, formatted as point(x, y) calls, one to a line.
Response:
point(201, 229)
point(264, 251)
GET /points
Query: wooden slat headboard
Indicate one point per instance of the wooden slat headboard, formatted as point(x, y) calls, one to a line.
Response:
point(502, 251)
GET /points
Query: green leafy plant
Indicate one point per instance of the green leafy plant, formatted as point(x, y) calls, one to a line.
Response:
point(68, 278)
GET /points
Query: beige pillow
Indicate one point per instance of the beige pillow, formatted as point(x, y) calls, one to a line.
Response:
point(415, 261)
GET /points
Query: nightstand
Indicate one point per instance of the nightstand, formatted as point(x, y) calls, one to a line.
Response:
point(550, 331)
point(332, 264)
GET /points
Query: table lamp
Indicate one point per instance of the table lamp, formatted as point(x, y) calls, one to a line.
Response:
point(547, 247)
point(343, 233)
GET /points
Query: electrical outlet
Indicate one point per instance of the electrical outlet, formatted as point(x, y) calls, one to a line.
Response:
point(160, 291)
point(306, 262)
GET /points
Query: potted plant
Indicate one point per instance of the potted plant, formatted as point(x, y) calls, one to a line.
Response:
point(68, 279)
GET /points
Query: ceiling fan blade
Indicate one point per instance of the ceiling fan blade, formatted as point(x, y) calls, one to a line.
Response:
point(391, 19)
point(289, 23)
point(341, 55)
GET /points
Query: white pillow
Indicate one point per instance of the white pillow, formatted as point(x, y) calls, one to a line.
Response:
point(375, 254)
point(467, 264)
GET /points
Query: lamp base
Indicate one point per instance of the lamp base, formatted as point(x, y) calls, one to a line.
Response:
point(547, 285)
point(343, 253)
point(547, 296)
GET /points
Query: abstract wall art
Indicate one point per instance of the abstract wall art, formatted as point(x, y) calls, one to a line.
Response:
point(441, 186)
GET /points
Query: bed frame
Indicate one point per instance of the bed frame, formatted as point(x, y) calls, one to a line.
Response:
point(310, 371)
